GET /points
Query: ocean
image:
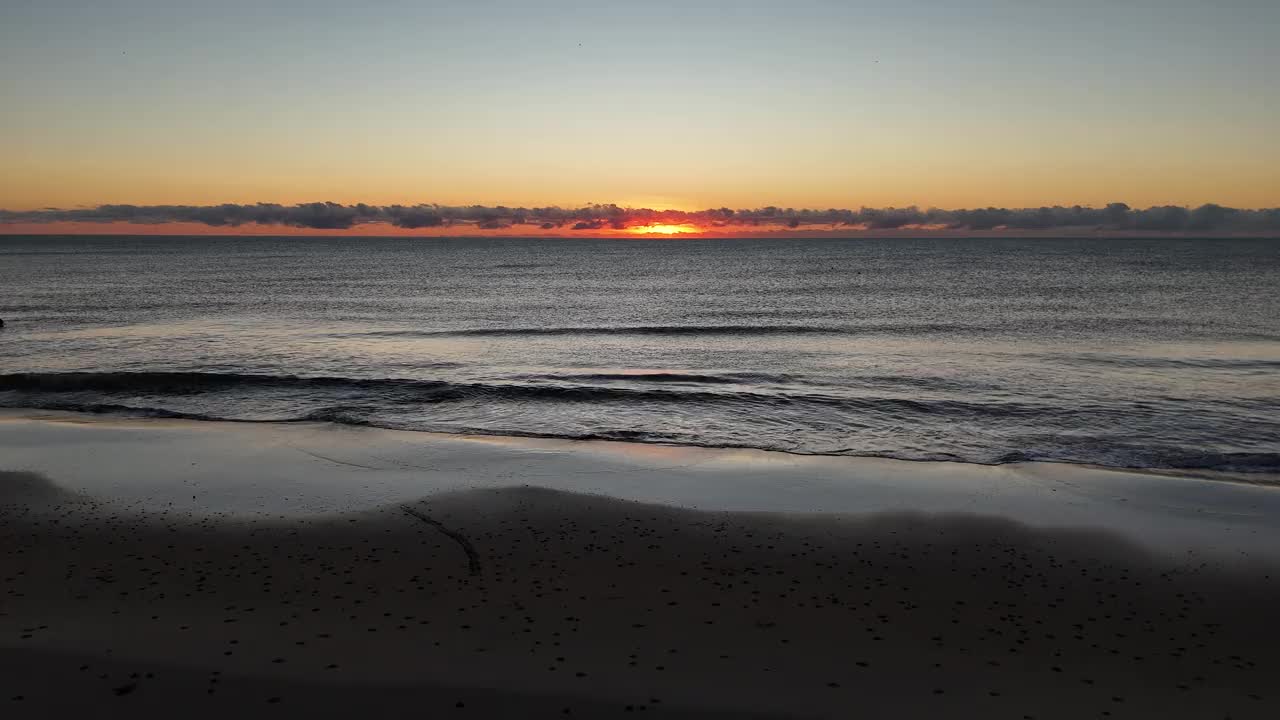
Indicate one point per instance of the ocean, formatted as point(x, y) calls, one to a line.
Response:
point(1160, 353)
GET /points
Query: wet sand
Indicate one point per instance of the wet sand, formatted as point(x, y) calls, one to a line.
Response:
point(955, 592)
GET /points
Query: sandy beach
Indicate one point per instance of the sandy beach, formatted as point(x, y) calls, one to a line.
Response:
point(515, 359)
point(159, 568)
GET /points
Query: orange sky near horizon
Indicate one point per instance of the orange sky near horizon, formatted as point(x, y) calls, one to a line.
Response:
point(866, 176)
point(374, 229)
point(534, 231)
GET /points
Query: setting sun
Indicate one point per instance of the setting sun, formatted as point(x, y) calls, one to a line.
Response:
point(665, 229)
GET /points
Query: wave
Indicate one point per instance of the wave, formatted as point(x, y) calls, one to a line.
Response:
point(1176, 363)
point(168, 383)
point(1117, 456)
point(407, 391)
point(133, 411)
point(1121, 455)
point(746, 330)
point(860, 330)
point(663, 377)
point(709, 409)
point(748, 378)
point(615, 330)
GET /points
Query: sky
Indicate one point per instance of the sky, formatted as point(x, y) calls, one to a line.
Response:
point(658, 104)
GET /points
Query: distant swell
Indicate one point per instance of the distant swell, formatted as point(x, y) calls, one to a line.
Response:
point(1180, 363)
point(185, 383)
point(704, 379)
point(616, 330)
point(745, 330)
point(168, 383)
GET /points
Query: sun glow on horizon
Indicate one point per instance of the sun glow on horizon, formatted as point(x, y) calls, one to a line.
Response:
point(659, 229)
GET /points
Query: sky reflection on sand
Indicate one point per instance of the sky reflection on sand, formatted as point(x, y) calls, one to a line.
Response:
point(237, 468)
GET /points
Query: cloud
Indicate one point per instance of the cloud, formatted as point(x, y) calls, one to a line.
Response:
point(1161, 218)
point(414, 217)
point(334, 216)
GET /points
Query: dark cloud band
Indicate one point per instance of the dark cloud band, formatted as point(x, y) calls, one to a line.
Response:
point(331, 216)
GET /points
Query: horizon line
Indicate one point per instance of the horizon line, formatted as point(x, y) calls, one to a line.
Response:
point(609, 220)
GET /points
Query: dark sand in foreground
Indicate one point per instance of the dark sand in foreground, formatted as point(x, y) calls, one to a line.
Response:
point(526, 602)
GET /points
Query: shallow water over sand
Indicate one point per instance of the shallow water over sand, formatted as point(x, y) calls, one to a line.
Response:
point(310, 469)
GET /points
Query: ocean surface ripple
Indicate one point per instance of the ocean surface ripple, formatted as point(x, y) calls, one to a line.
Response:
point(1128, 353)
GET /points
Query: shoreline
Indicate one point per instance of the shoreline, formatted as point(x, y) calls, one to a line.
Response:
point(314, 468)
point(112, 416)
point(154, 567)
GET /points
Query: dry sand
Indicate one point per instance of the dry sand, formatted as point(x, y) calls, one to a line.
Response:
point(534, 602)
